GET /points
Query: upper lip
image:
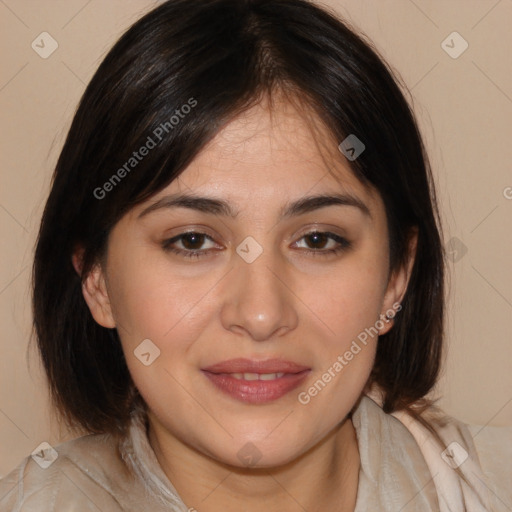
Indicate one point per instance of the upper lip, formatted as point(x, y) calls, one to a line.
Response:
point(241, 365)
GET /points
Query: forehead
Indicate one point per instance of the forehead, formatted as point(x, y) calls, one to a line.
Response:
point(278, 147)
point(271, 156)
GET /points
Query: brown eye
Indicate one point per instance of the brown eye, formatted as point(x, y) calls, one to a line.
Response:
point(191, 243)
point(316, 242)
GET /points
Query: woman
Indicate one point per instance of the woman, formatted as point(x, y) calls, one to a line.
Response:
point(239, 278)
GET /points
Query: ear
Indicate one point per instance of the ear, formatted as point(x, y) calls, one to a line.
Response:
point(94, 290)
point(397, 285)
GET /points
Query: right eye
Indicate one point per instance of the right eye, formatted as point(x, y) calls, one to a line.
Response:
point(190, 241)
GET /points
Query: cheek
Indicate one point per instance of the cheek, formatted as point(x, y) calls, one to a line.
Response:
point(346, 308)
point(347, 312)
point(349, 299)
point(171, 311)
point(151, 301)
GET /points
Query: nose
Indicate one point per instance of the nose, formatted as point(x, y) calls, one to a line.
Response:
point(259, 300)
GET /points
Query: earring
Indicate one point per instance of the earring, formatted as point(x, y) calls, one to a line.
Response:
point(387, 317)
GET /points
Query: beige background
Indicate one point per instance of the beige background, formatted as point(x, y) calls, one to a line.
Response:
point(464, 106)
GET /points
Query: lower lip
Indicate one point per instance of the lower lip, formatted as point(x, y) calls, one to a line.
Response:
point(257, 391)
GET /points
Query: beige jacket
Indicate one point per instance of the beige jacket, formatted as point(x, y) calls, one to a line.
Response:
point(402, 470)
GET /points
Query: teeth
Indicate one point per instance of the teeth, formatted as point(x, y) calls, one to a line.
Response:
point(270, 376)
point(250, 376)
point(256, 376)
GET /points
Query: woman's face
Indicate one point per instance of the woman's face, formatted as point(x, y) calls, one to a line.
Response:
point(263, 288)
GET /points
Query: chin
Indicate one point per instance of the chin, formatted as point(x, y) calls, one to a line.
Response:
point(253, 454)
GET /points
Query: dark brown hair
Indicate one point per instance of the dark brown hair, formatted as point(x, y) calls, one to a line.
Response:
point(224, 55)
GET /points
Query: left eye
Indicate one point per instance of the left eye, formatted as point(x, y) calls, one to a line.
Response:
point(192, 241)
point(318, 237)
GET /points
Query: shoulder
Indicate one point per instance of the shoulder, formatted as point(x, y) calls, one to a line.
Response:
point(479, 449)
point(494, 448)
point(481, 456)
point(468, 464)
point(76, 474)
point(393, 473)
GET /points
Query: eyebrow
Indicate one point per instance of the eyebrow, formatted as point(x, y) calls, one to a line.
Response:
point(215, 206)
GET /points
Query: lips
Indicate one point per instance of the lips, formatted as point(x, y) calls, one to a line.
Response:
point(256, 382)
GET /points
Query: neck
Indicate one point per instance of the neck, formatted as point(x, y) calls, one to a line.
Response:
point(323, 478)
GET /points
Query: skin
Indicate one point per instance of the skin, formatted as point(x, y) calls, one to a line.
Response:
point(303, 307)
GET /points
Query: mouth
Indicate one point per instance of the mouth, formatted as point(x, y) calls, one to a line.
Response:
point(256, 382)
point(255, 376)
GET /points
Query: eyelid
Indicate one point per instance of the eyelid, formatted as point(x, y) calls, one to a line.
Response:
point(179, 236)
point(197, 229)
point(319, 227)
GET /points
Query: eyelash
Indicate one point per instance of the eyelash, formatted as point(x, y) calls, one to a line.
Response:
point(343, 244)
